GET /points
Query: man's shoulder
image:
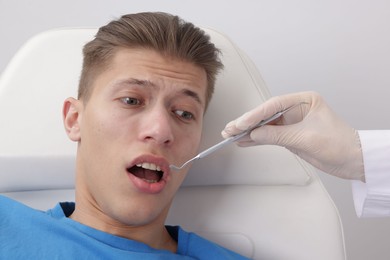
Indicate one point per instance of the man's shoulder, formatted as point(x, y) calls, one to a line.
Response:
point(7, 204)
point(17, 211)
point(5, 199)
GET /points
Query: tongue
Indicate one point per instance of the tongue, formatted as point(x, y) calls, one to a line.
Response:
point(146, 174)
point(151, 175)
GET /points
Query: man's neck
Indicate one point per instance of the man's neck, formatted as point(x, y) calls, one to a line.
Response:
point(153, 234)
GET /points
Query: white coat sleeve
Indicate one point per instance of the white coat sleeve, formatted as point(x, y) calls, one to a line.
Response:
point(372, 199)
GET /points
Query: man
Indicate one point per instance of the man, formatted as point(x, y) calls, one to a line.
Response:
point(146, 81)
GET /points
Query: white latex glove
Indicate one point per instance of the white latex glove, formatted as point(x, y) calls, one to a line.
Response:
point(312, 131)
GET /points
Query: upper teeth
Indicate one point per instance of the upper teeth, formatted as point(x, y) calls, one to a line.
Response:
point(149, 166)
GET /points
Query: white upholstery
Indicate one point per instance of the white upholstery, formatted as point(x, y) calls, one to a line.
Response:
point(263, 202)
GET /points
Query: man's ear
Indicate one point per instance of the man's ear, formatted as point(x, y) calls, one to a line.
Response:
point(71, 114)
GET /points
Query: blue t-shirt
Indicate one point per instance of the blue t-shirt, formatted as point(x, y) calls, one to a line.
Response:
point(26, 233)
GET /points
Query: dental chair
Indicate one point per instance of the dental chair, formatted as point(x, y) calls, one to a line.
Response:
point(263, 202)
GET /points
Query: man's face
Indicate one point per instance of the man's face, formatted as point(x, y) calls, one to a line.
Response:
point(145, 112)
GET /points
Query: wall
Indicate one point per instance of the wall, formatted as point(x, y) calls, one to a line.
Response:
point(340, 48)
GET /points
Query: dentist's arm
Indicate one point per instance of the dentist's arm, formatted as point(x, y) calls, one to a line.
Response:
point(312, 131)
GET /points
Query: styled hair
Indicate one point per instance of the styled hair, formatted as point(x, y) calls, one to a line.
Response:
point(165, 33)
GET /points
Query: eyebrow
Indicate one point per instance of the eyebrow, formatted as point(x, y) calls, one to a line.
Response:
point(192, 94)
point(148, 83)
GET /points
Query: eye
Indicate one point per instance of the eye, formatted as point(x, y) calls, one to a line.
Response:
point(184, 114)
point(131, 101)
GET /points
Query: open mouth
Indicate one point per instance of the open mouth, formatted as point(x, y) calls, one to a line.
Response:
point(148, 172)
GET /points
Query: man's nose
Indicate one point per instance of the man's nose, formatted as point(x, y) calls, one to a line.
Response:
point(157, 127)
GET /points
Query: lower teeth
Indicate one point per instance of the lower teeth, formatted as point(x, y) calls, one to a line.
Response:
point(150, 181)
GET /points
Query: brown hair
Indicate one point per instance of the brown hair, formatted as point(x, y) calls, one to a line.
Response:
point(165, 33)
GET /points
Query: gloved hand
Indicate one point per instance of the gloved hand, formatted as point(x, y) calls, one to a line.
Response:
point(311, 130)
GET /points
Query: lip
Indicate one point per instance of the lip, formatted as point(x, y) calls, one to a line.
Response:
point(143, 186)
